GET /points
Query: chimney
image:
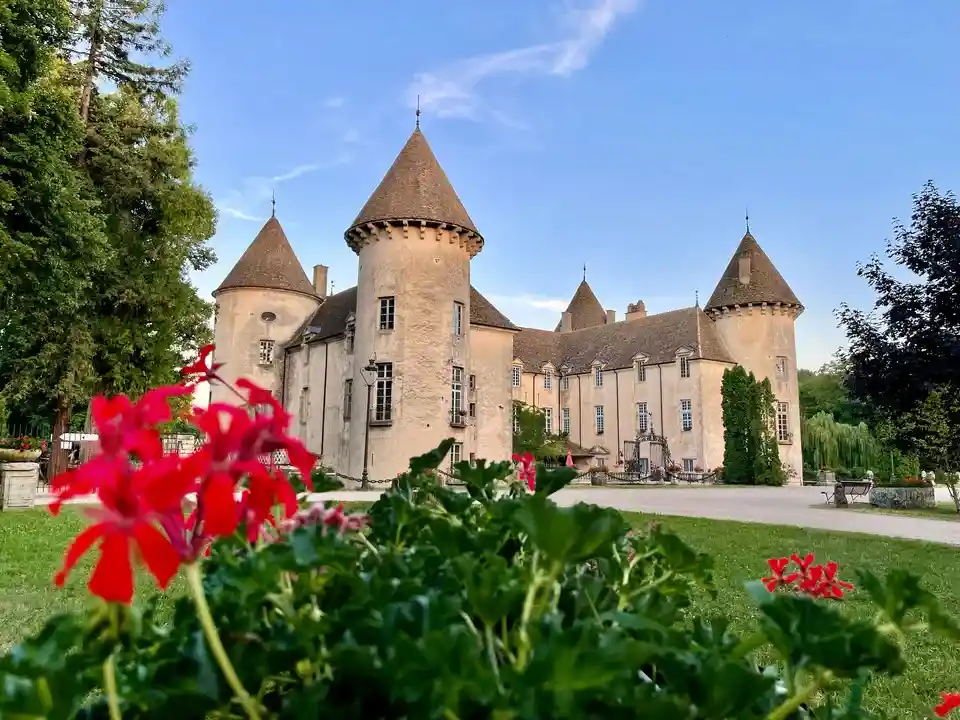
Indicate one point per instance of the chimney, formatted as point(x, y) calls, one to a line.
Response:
point(611, 316)
point(320, 280)
point(636, 311)
point(566, 322)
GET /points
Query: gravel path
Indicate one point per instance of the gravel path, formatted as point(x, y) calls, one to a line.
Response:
point(776, 506)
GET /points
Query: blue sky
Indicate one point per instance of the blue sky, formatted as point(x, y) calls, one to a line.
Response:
point(629, 135)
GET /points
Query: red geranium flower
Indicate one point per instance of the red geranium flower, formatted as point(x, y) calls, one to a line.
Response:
point(950, 701)
point(777, 566)
point(527, 471)
point(203, 368)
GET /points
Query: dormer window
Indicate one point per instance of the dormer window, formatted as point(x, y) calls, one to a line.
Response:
point(640, 364)
point(350, 333)
point(684, 366)
point(515, 372)
point(598, 375)
point(548, 378)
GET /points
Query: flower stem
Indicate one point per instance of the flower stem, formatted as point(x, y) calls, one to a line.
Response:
point(791, 704)
point(110, 687)
point(195, 581)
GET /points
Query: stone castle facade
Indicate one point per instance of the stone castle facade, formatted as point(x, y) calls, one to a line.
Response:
point(438, 360)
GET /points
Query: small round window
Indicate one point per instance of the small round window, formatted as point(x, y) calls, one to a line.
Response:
point(268, 316)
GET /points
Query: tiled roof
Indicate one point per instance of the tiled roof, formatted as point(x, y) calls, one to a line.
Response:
point(766, 284)
point(331, 319)
point(615, 345)
point(415, 188)
point(584, 308)
point(269, 262)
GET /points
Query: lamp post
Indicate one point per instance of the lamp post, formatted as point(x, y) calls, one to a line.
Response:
point(369, 374)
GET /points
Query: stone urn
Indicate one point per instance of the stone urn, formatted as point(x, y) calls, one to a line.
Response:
point(14, 455)
point(910, 497)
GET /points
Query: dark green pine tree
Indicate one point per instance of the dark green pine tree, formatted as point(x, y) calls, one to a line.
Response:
point(737, 432)
point(51, 234)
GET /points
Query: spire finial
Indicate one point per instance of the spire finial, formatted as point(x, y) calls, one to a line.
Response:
point(418, 111)
point(747, 218)
point(273, 203)
point(696, 297)
point(584, 272)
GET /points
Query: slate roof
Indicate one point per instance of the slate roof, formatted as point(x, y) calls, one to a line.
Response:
point(331, 318)
point(584, 308)
point(766, 284)
point(269, 262)
point(656, 336)
point(415, 188)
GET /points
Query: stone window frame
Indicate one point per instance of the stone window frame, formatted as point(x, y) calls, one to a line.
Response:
point(386, 313)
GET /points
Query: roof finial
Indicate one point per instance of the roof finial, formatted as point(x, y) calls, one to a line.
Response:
point(418, 111)
point(747, 217)
point(696, 297)
point(584, 272)
point(273, 203)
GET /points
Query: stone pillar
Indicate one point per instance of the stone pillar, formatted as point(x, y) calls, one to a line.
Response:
point(18, 484)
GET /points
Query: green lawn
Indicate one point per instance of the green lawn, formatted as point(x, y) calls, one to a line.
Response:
point(740, 551)
point(32, 545)
point(943, 511)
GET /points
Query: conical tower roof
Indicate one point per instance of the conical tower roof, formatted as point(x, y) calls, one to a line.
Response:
point(415, 188)
point(751, 278)
point(584, 308)
point(269, 263)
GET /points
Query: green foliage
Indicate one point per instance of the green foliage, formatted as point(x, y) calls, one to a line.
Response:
point(460, 605)
point(531, 433)
point(751, 455)
point(825, 391)
point(831, 444)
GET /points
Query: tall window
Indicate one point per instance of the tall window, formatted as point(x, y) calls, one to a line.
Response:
point(473, 410)
point(688, 465)
point(565, 420)
point(642, 424)
point(388, 306)
point(598, 376)
point(565, 382)
point(684, 367)
point(473, 383)
point(515, 376)
point(304, 405)
point(783, 422)
point(781, 367)
point(641, 371)
point(686, 415)
point(347, 398)
point(458, 318)
point(383, 408)
point(351, 333)
point(548, 420)
point(548, 379)
point(456, 454)
point(266, 352)
point(456, 394)
point(598, 418)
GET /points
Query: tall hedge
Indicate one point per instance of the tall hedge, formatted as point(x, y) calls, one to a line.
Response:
point(751, 455)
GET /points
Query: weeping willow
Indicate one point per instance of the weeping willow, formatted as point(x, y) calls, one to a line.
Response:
point(827, 443)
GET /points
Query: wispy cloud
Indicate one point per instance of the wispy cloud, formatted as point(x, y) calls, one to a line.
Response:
point(454, 91)
point(248, 202)
point(334, 102)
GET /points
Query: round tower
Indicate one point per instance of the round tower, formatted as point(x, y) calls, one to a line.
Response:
point(414, 240)
point(260, 305)
point(754, 311)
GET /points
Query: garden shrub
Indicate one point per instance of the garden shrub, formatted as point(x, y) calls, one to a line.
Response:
point(441, 603)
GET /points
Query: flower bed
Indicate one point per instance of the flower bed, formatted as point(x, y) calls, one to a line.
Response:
point(907, 497)
point(440, 604)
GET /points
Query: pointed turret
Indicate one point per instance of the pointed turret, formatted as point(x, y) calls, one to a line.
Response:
point(268, 263)
point(584, 308)
point(751, 279)
point(414, 190)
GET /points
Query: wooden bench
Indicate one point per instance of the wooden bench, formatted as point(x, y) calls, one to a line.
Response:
point(853, 490)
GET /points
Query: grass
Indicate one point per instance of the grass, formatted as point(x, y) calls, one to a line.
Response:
point(941, 511)
point(33, 543)
point(740, 551)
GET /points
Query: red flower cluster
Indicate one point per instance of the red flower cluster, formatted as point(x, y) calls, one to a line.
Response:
point(819, 581)
point(527, 470)
point(320, 515)
point(142, 489)
point(951, 701)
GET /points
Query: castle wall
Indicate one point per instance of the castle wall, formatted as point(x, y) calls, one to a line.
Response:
point(491, 431)
point(426, 270)
point(756, 337)
point(239, 327)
